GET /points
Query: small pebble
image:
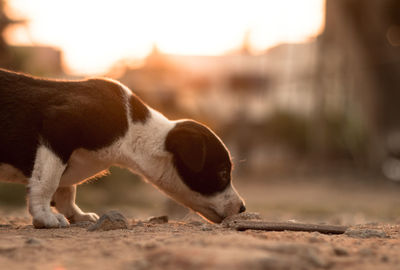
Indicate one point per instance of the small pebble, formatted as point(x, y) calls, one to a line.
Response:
point(315, 258)
point(111, 220)
point(366, 252)
point(158, 220)
point(385, 258)
point(106, 253)
point(205, 228)
point(150, 245)
point(315, 237)
point(339, 251)
point(33, 242)
point(139, 223)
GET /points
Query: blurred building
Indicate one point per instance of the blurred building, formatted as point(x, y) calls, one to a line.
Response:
point(280, 78)
point(37, 60)
point(237, 94)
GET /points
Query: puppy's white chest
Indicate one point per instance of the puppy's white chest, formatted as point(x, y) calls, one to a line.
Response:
point(82, 166)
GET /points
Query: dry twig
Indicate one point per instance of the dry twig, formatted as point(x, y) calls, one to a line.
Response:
point(242, 225)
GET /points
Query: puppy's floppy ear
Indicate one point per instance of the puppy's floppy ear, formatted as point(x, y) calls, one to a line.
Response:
point(188, 145)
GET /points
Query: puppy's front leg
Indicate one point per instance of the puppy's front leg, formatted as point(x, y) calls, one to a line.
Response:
point(64, 200)
point(44, 181)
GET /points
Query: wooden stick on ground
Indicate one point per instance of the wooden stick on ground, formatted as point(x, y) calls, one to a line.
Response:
point(242, 225)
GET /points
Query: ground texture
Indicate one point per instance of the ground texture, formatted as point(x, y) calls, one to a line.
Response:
point(194, 245)
point(188, 242)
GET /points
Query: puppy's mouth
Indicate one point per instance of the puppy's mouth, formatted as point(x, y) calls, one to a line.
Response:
point(211, 215)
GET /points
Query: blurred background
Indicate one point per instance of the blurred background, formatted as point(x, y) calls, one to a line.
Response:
point(306, 94)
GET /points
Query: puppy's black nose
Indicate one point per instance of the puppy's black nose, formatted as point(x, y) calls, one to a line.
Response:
point(242, 208)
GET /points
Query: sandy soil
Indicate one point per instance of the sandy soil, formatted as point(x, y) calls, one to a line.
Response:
point(190, 243)
point(194, 245)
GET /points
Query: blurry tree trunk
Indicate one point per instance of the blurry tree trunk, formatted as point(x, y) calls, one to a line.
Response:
point(364, 35)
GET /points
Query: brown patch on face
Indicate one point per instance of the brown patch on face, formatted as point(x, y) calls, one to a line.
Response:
point(200, 158)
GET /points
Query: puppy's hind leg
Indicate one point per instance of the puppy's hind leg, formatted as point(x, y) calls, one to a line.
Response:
point(44, 181)
point(64, 200)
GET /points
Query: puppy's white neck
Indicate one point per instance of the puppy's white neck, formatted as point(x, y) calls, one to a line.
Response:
point(142, 148)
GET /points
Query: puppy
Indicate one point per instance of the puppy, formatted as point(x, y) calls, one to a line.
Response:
point(55, 135)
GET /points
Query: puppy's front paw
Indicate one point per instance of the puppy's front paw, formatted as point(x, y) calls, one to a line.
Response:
point(50, 220)
point(78, 217)
point(63, 222)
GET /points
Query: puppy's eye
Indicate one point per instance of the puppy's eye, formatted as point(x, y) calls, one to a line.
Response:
point(224, 174)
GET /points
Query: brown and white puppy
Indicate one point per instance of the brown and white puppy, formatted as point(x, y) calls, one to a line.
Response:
point(55, 135)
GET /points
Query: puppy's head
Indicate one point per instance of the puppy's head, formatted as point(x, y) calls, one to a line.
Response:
point(203, 165)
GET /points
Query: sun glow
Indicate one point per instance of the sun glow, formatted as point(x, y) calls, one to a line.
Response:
point(94, 34)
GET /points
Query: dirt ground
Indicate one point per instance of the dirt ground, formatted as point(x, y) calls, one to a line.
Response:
point(372, 242)
point(195, 245)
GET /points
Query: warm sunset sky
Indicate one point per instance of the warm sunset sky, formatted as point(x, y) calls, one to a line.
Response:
point(93, 34)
